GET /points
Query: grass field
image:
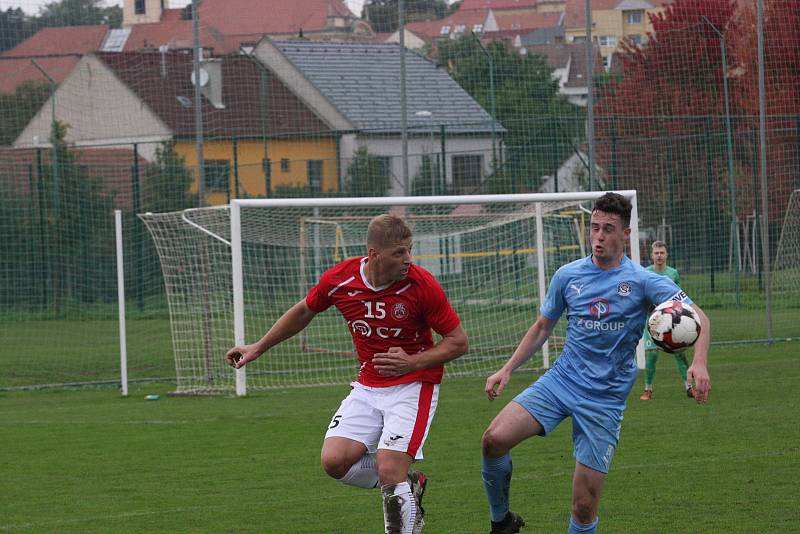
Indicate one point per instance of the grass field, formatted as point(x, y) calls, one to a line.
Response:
point(88, 460)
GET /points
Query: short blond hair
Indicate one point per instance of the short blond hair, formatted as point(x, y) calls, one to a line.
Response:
point(386, 230)
point(659, 244)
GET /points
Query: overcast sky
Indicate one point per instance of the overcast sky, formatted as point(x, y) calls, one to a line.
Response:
point(32, 6)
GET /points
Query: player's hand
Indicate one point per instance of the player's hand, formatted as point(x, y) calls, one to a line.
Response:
point(394, 362)
point(496, 383)
point(698, 376)
point(240, 355)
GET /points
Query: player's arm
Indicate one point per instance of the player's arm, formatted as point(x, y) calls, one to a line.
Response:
point(698, 371)
point(531, 342)
point(290, 323)
point(396, 362)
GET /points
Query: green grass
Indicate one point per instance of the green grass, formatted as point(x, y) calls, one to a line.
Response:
point(88, 460)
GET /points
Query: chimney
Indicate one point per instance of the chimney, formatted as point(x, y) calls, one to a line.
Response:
point(212, 89)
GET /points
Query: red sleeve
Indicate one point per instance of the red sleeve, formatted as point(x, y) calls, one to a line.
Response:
point(439, 315)
point(317, 298)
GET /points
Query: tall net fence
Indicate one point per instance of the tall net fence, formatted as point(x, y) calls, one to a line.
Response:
point(104, 107)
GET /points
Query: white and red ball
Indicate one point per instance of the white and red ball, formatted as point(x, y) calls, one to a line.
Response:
point(674, 326)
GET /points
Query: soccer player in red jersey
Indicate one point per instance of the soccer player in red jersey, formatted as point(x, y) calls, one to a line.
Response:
point(390, 306)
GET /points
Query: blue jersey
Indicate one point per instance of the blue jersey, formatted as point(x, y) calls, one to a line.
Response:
point(606, 311)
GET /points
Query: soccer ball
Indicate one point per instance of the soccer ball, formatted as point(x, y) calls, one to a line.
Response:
point(674, 326)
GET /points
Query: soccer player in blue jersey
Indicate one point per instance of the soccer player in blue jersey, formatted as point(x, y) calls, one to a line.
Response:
point(606, 298)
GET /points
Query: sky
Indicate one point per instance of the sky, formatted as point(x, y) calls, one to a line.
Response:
point(32, 6)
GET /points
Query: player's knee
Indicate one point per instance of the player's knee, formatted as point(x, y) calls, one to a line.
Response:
point(335, 465)
point(493, 445)
point(583, 508)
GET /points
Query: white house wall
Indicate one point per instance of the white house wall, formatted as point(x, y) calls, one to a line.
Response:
point(417, 146)
point(98, 110)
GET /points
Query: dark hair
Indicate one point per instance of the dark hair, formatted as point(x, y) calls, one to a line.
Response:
point(616, 204)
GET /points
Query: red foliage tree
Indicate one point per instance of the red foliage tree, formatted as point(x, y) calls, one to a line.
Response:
point(782, 96)
point(660, 119)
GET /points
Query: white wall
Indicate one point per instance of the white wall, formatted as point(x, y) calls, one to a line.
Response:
point(417, 146)
point(98, 109)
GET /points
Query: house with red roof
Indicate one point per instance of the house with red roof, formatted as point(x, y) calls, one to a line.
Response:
point(613, 21)
point(55, 50)
point(258, 135)
point(225, 25)
point(485, 23)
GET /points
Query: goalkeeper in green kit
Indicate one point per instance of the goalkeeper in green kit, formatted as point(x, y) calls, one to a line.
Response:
point(659, 266)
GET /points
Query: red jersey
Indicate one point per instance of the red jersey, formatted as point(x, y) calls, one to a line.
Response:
point(398, 315)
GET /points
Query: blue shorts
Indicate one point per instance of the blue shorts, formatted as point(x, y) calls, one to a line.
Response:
point(595, 423)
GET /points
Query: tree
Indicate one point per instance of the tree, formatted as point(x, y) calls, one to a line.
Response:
point(367, 175)
point(383, 14)
point(167, 182)
point(542, 127)
point(17, 110)
point(660, 126)
point(80, 249)
point(79, 13)
point(782, 68)
point(15, 26)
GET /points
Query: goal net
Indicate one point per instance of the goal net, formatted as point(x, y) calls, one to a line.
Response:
point(787, 257)
point(231, 271)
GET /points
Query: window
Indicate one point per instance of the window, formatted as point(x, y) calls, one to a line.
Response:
point(217, 175)
point(607, 40)
point(138, 7)
point(634, 17)
point(314, 170)
point(460, 28)
point(467, 170)
point(445, 30)
point(284, 165)
point(384, 166)
point(478, 28)
point(635, 38)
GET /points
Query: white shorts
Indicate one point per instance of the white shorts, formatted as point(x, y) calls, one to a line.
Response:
point(396, 418)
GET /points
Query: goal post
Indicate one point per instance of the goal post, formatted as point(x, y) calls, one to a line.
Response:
point(231, 271)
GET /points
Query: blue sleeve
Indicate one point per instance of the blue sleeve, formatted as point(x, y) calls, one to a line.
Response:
point(661, 289)
point(554, 303)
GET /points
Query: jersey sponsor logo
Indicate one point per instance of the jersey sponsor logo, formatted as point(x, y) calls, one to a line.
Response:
point(599, 308)
point(361, 327)
point(577, 288)
point(385, 332)
point(680, 296)
point(399, 311)
point(624, 289)
point(603, 326)
point(353, 293)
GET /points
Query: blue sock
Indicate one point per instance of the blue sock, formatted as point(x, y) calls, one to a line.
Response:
point(577, 528)
point(496, 481)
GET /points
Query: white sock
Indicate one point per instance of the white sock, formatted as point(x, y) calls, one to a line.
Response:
point(648, 387)
point(363, 473)
point(399, 508)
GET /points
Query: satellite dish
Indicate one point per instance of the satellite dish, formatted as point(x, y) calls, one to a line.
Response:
point(203, 77)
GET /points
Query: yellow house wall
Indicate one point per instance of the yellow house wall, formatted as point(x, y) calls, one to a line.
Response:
point(551, 6)
point(607, 22)
point(613, 22)
point(250, 155)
